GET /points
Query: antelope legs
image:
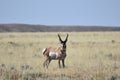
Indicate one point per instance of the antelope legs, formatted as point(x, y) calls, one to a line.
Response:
point(46, 62)
point(59, 63)
point(63, 64)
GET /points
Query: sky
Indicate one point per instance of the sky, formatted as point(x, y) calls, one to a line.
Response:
point(61, 12)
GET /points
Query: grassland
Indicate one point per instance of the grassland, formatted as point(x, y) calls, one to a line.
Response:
point(90, 56)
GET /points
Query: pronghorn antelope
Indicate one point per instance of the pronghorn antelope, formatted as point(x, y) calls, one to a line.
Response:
point(55, 53)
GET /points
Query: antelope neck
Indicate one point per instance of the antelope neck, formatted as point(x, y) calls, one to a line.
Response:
point(63, 50)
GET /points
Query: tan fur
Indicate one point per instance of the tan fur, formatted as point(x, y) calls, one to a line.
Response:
point(50, 49)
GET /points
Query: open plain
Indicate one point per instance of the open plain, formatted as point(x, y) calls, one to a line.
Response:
point(90, 56)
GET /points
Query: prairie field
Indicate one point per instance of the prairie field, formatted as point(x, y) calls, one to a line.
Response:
point(90, 56)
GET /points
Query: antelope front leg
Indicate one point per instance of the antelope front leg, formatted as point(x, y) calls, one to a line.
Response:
point(59, 63)
point(63, 63)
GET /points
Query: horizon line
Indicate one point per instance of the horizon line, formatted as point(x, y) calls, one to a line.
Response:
point(66, 25)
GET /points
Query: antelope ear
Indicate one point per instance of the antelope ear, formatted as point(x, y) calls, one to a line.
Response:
point(59, 38)
point(66, 38)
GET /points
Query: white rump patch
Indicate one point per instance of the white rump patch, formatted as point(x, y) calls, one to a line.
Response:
point(43, 50)
point(53, 55)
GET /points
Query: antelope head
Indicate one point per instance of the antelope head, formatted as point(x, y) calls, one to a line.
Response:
point(63, 43)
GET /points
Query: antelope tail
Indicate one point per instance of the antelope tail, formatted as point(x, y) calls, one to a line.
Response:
point(44, 50)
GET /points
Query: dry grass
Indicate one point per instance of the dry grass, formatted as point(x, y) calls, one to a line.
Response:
point(90, 56)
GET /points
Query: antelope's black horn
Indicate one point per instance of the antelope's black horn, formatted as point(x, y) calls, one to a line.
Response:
point(66, 38)
point(59, 38)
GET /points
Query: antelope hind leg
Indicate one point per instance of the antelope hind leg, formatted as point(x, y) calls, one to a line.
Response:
point(45, 63)
point(48, 62)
